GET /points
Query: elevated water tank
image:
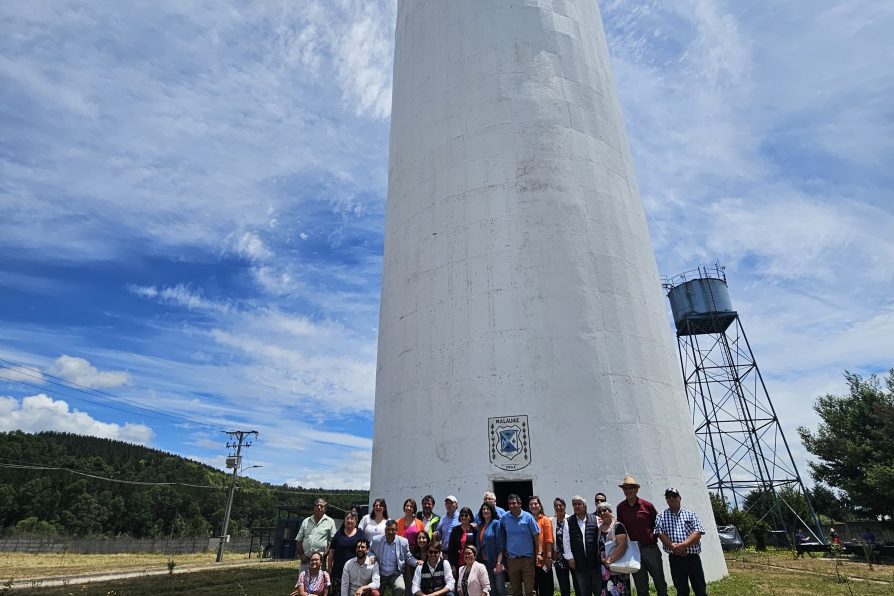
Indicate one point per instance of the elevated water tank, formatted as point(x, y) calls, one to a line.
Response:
point(700, 301)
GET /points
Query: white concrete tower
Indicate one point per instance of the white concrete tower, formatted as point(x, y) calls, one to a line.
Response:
point(523, 339)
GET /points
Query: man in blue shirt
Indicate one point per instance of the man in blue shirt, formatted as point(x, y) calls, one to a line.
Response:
point(521, 535)
point(393, 555)
point(449, 519)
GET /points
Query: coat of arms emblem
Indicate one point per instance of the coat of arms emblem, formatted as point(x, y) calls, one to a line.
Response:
point(510, 445)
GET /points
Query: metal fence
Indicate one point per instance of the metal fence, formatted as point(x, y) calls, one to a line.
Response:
point(67, 544)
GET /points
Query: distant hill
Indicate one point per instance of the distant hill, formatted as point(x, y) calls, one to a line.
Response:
point(34, 498)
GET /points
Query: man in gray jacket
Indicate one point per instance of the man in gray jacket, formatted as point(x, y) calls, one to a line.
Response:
point(392, 554)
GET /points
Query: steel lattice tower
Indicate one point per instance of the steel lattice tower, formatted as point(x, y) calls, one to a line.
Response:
point(742, 443)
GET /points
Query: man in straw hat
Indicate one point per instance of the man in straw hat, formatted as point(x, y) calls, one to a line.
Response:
point(638, 516)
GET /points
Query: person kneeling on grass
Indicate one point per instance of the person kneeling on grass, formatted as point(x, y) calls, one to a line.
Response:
point(313, 581)
point(360, 576)
point(433, 577)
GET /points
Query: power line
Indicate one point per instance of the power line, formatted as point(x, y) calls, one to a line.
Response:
point(117, 480)
point(666, 239)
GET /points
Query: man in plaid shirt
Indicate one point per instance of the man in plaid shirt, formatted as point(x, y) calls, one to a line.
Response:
point(680, 531)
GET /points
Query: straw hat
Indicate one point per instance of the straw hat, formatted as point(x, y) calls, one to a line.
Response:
point(628, 481)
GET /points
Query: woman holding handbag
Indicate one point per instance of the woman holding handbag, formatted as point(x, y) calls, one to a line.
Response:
point(614, 534)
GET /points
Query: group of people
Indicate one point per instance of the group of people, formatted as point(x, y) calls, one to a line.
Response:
point(467, 553)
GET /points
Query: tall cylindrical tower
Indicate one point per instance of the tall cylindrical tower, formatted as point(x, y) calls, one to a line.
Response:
point(523, 342)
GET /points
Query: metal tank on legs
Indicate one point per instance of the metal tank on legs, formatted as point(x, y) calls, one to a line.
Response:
point(523, 342)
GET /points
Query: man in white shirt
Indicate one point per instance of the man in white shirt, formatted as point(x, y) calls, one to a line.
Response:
point(360, 577)
point(580, 544)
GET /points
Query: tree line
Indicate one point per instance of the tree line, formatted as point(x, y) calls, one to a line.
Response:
point(854, 468)
point(59, 501)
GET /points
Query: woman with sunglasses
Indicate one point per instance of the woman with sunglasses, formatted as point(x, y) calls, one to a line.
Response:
point(613, 584)
point(461, 536)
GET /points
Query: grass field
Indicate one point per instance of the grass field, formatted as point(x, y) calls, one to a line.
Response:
point(750, 573)
point(21, 565)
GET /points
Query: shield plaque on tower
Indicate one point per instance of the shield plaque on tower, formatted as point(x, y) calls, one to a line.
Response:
point(510, 445)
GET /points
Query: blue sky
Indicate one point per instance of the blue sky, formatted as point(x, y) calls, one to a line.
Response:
point(191, 206)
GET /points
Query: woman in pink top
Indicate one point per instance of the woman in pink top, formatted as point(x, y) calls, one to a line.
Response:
point(409, 527)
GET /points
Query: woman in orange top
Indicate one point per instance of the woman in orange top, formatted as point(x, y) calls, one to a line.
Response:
point(543, 576)
point(409, 527)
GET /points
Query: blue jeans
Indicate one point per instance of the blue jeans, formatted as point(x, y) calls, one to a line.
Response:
point(497, 581)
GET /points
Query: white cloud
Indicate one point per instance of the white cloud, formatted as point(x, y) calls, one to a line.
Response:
point(207, 443)
point(276, 282)
point(39, 413)
point(180, 295)
point(350, 472)
point(251, 247)
point(218, 462)
point(24, 374)
point(240, 106)
point(80, 371)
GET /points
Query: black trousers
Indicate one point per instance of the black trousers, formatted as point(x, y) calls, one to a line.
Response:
point(563, 574)
point(688, 570)
point(544, 581)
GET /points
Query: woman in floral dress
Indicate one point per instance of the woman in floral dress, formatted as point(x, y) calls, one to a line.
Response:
point(613, 584)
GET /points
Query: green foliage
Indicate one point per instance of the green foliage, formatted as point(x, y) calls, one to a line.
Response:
point(789, 507)
point(855, 442)
point(55, 500)
point(744, 521)
point(829, 505)
point(32, 525)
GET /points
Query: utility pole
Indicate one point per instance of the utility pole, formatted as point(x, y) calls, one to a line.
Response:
point(238, 440)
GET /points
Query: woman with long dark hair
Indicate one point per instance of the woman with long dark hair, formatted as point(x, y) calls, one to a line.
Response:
point(563, 574)
point(543, 574)
point(490, 546)
point(313, 581)
point(373, 524)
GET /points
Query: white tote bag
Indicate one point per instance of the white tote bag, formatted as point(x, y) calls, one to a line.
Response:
point(629, 562)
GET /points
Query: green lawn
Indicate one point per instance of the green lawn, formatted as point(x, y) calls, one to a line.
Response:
point(779, 575)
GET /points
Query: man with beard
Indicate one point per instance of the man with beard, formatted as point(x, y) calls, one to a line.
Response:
point(427, 515)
